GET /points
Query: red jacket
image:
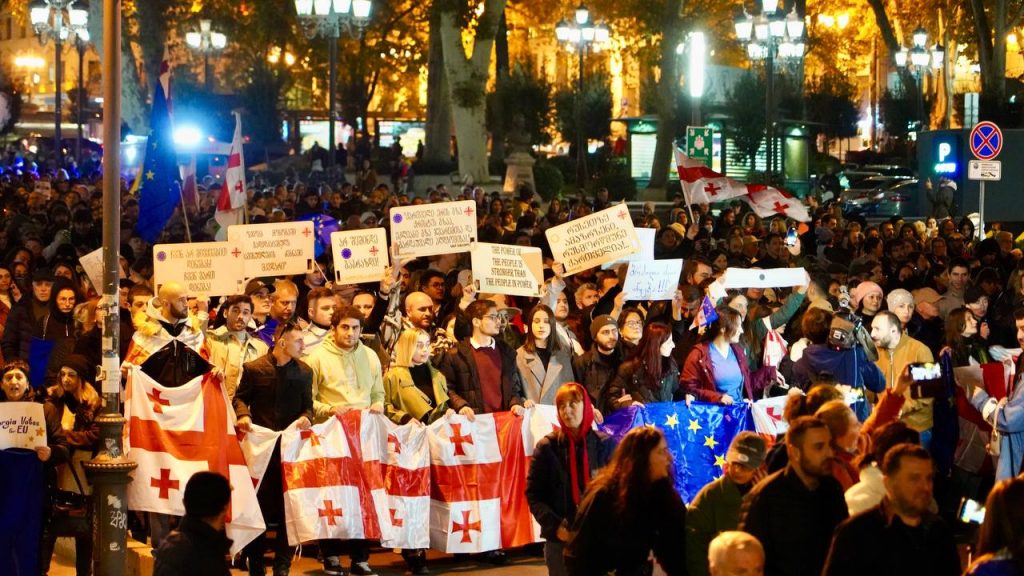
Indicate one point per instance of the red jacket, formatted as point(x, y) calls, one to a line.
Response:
point(698, 377)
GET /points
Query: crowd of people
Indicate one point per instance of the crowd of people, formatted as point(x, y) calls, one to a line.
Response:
point(869, 478)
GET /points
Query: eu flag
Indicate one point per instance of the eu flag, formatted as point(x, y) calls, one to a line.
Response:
point(160, 181)
point(698, 436)
point(325, 226)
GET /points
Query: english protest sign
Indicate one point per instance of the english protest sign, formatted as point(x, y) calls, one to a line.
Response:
point(430, 229)
point(22, 425)
point(359, 255)
point(203, 268)
point(505, 269)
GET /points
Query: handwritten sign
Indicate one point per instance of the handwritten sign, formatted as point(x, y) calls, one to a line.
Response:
point(22, 425)
point(430, 229)
point(92, 263)
point(767, 278)
point(203, 268)
point(503, 269)
point(359, 255)
point(646, 238)
point(277, 249)
point(594, 239)
point(652, 279)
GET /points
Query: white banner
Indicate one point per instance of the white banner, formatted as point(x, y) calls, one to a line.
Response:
point(594, 239)
point(653, 279)
point(505, 269)
point(430, 229)
point(768, 278)
point(359, 255)
point(277, 249)
point(646, 238)
point(203, 268)
point(22, 425)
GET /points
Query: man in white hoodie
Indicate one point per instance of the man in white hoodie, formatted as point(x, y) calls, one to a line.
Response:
point(346, 376)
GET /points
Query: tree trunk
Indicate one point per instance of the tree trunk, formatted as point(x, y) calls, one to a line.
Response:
point(665, 96)
point(889, 37)
point(437, 145)
point(134, 109)
point(501, 66)
point(467, 84)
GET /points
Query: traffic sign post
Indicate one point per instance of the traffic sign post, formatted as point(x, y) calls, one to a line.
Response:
point(986, 142)
point(698, 143)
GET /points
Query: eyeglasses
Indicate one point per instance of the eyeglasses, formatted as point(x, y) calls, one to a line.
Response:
point(634, 324)
point(493, 317)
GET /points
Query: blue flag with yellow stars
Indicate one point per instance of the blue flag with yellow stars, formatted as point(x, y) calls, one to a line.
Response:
point(698, 436)
point(159, 179)
point(324, 226)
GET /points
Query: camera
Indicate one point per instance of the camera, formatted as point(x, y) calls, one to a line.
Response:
point(928, 382)
point(847, 329)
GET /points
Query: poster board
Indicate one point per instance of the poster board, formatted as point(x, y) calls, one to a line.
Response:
point(652, 279)
point(22, 425)
point(646, 238)
point(431, 229)
point(92, 263)
point(597, 238)
point(203, 268)
point(359, 255)
point(505, 269)
point(275, 249)
point(767, 278)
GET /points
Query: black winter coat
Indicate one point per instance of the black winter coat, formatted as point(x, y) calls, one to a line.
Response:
point(194, 549)
point(22, 325)
point(595, 371)
point(274, 396)
point(459, 368)
point(549, 485)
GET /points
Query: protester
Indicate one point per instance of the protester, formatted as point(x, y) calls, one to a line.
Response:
point(717, 369)
point(199, 546)
point(544, 361)
point(630, 512)
point(231, 345)
point(649, 375)
point(897, 351)
point(1000, 550)
point(734, 553)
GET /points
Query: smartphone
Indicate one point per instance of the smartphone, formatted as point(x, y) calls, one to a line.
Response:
point(924, 371)
point(971, 511)
point(791, 236)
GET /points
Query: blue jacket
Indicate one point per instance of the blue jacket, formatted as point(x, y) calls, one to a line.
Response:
point(850, 367)
point(1008, 420)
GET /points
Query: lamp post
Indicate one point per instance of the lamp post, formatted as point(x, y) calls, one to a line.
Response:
point(577, 36)
point(768, 36)
point(696, 50)
point(81, 44)
point(327, 18)
point(58, 20)
point(206, 41)
point(919, 59)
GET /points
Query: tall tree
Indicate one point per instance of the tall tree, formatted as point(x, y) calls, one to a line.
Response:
point(437, 145)
point(467, 76)
point(665, 94)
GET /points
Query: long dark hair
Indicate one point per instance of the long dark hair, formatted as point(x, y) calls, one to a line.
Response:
point(627, 475)
point(1004, 521)
point(648, 352)
point(553, 344)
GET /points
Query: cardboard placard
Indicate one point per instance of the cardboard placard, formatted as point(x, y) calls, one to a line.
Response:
point(646, 238)
point(92, 263)
point(767, 278)
point(275, 249)
point(504, 269)
point(430, 229)
point(653, 279)
point(22, 425)
point(203, 268)
point(597, 238)
point(359, 255)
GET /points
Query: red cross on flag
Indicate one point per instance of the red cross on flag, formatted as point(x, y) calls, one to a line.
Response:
point(333, 487)
point(768, 202)
point(231, 203)
point(702, 185)
point(406, 473)
point(176, 432)
point(767, 414)
point(478, 483)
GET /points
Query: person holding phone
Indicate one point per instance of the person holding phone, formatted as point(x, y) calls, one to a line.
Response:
point(896, 351)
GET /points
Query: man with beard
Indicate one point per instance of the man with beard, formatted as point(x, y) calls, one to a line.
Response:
point(716, 508)
point(896, 351)
point(901, 535)
point(230, 345)
point(794, 511)
point(597, 366)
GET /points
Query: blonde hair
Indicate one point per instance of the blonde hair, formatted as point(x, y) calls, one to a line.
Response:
point(406, 346)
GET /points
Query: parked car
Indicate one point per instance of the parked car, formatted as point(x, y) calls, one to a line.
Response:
point(872, 185)
point(898, 199)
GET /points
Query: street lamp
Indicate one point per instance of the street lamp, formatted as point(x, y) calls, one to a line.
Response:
point(577, 36)
point(327, 18)
point(919, 59)
point(768, 35)
point(206, 41)
point(696, 49)
point(58, 20)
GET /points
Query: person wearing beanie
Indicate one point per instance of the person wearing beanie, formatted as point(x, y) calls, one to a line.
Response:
point(199, 546)
point(563, 463)
point(716, 508)
point(866, 299)
point(596, 367)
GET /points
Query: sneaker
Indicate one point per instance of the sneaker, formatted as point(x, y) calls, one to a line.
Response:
point(332, 566)
point(361, 569)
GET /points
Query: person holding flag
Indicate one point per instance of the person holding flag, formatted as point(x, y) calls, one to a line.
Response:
point(649, 375)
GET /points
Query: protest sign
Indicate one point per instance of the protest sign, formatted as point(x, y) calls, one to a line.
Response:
point(430, 229)
point(203, 268)
point(92, 263)
point(359, 255)
point(278, 249)
point(652, 279)
point(767, 278)
point(646, 238)
point(22, 425)
point(504, 269)
point(594, 239)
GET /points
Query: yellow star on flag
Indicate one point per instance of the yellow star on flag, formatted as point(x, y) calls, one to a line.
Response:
point(710, 442)
point(694, 426)
point(672, 421)
point(719, 461)
point(149, 175)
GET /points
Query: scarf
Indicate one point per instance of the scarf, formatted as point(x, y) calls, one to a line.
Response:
point(579, 436)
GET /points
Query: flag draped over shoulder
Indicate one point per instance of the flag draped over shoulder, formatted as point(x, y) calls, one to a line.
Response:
point(159, 179)
point(174, 433)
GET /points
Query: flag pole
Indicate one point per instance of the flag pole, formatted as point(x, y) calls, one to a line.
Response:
point(184, 214)
point(682, 186)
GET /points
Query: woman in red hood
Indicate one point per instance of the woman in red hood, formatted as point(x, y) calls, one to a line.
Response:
point(564, 461)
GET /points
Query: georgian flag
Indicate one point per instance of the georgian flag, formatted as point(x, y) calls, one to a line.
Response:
point(767, 414)
point(406, 473)
point(257, 448)
point(767, 202)
point(478, 475)
point(702, 185)
point(232, 199)
point(174, 433)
